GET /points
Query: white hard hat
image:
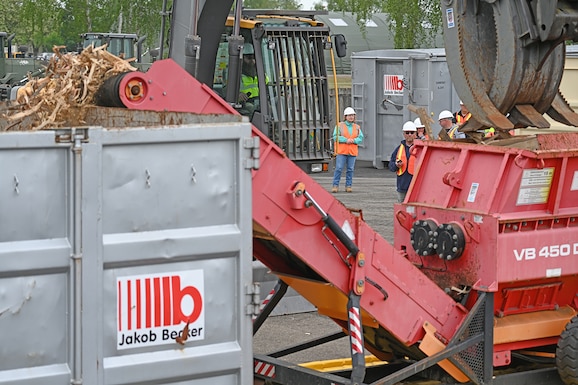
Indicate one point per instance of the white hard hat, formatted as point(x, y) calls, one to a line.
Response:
point(461, 103)
point(409, 126)
point(445, 114)
point(417, 123)
point(348, 111)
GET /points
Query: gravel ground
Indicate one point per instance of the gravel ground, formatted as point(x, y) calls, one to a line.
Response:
point(373, 193)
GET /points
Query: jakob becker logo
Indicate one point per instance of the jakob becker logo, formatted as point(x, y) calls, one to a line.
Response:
point(152, 309)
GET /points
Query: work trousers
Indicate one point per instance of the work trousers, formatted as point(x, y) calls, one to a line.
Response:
point(340, 162)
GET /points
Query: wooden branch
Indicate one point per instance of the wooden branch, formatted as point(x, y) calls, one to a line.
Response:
point(71, 80)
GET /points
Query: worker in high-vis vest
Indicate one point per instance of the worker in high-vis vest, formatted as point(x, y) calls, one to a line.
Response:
point(463, 115)
point(347, 136)
point(421, 134)
point(445, 119)
point(249, 87)
point(402, 162)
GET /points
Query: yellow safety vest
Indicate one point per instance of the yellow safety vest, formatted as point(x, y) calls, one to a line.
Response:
point(452, 131)
point(250, 85)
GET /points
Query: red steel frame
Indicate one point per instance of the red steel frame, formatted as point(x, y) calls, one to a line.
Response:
point(492, 261)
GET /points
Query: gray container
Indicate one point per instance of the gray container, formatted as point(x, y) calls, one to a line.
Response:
point(112, 239)
point(385, 82)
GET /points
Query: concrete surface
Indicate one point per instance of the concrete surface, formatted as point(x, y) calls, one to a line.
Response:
point(374, 193)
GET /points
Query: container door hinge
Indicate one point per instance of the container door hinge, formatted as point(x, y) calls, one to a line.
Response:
point(253, 144)
point(71, 135)
point(254, 292)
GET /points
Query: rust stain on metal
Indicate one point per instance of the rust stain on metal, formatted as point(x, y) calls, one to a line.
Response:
point(562, 141)
point(184, 334)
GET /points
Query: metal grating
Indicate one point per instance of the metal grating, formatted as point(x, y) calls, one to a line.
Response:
point(476, 360)
point(301, 118)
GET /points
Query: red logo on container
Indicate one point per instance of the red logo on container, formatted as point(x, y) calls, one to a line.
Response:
point(156, 302)
point(392, 84)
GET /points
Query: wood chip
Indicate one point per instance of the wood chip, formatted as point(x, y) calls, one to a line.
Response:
point(70, 80)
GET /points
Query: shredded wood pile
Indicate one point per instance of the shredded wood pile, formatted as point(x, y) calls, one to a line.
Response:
point(70, 80)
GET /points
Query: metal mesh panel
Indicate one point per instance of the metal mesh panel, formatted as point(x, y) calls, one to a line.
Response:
point(301, 122)
point(473, 357)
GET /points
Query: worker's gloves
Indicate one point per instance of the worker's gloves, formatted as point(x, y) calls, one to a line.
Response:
point(243, 97)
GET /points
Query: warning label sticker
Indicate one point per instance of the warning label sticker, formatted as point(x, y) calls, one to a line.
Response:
point(535, 186)
point(156, 309)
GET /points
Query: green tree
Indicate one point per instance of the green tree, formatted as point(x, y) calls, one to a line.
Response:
point(37, 20)
point(271, 4)
point(42, 23)
point(319, 6)
point(117, 16)
point(363, 9)
point(9, 15)
point(412, 22)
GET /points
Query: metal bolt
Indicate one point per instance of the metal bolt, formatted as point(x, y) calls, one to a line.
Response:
point(193, 173)
point(360, 282)
point(148, 178)
point(16, 185)
point(361, 263)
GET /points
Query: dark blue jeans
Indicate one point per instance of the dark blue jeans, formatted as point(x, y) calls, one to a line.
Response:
point(340, 162)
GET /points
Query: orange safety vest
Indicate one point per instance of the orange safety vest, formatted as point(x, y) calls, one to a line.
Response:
point(348, 148)
point(406, 164)
point(462, 119)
